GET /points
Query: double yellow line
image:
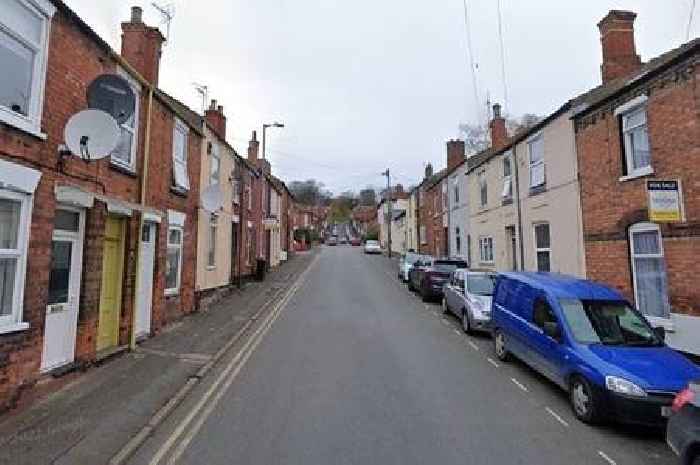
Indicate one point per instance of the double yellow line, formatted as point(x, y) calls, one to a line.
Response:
point(178, 441)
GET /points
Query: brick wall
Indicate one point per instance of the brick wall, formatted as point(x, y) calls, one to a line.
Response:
point(610, 206)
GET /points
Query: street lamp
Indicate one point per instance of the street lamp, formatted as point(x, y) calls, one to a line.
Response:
point(265, 126)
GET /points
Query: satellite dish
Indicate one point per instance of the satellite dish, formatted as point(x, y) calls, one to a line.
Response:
point(112, 94)
point(92, 134)
point(212, 198)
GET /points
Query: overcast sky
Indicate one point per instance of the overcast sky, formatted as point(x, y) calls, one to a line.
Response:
point(364, 85)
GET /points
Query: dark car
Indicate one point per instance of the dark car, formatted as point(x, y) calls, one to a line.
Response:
point(415, 270)
point(355, 242)
point(430, 277)
point(683, 432)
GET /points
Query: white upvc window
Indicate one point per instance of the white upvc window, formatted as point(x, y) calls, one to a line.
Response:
point(649, 270)
point(636, 141)
point(125, 154)
point(173, 263)
point(24, 46)
point(486, 249)
point(211, 253)
point(15, 213)
point(180, 178)
point(483, 188)
point(423, 238)
point(543, 247)
point(507, 192)
point(537, 167)
point(214, 165)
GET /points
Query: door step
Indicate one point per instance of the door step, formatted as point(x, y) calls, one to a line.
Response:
point(110, 352)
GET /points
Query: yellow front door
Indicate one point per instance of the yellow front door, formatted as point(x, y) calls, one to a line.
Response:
point(111, 295)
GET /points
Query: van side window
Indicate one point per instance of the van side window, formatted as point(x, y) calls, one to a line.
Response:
point(542, 313)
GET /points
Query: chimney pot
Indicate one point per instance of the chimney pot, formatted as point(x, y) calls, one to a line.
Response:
point(497, 110)
point(499, 133)
point(136, 14)
point(220, 109)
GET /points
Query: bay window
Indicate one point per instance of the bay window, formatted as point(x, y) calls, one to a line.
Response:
point(649, 270)
point(24, 35)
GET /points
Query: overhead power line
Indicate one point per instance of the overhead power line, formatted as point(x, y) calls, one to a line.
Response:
point(472, 63)
point(690, 21)
point(503, 56)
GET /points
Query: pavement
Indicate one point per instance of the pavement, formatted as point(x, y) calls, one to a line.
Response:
point(93, 415)
point(351, 368)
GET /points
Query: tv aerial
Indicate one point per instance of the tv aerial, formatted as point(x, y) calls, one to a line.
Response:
point(203, 91)
point(167, 13)
point(92, 134)
point(212, 198)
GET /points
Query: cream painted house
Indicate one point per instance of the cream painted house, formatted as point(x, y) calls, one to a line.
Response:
point(411, 221)
point(399, 203)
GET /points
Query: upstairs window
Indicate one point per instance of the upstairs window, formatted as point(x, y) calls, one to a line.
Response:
point(180, 178)
point(24, 32)
point(125, 153)
point(636, 141)
point(456, 192)
point(214, 165)
point(537, 167)
point(483, 188)
point(507, 193)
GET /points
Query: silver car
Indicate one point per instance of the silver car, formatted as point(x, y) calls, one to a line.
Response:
point(405, 264)
point(372, 247)
point(468, 296)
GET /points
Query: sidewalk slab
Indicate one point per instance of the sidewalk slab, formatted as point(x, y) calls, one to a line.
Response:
point(89, 419)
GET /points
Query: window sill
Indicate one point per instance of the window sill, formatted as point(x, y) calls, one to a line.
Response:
point(211, 268)
point(648, 171)
point(13, 328)
point(538, 190)
point(123, 169)
point(172, 292)
point(9, 119)
point(178, 191)
point(508, 201)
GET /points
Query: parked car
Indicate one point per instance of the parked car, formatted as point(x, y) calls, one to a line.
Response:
point(468, 296)
point(355, 242)
point(343, 240)
point(415, 272)
point(586, 338)
point(333, 241)
point(430, 277)
point(683, 432)
point(372, 247)
point(405, 263)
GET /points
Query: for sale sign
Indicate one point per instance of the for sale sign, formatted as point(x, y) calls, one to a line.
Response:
point(665, 204)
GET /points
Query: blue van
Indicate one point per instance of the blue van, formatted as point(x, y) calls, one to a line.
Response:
point(590, 341)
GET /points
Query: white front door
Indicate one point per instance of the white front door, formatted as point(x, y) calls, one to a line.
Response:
point(64, 289)
point(145, 286)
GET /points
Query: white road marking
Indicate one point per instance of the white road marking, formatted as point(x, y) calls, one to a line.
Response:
point(557, 417)
point(457, 332)
point(607, 459)
point(473, 346)
point(519, 384)
point(444, 322)
point(493, 362)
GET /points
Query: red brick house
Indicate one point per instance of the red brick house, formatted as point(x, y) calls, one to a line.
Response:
point(94, 236)
point(642, 125)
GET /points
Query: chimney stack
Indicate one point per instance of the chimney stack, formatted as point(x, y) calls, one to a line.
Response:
point(499, 133)
point(216, 119)
point(620, 57)
point(428, 170)
point(455, 153)
point(253, 149)
point(141, 46)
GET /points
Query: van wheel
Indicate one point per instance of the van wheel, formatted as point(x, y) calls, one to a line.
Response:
point(410, 285)
point(466, 323)
point(445, 311)
point(424, 295)
point(583, 401)
point(499, 344)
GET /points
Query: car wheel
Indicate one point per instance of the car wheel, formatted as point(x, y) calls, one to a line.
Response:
point(499, 344)
point(424, 294)
point(410, 285)
point(445, 310)
point(466, 322)
point(583, 400)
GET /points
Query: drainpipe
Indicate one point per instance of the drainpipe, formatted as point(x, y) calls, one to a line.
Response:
point(520, 216)
point(142, 200)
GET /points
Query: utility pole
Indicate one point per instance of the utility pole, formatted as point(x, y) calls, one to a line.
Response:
point(390, 208)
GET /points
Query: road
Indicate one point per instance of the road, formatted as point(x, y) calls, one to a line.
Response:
point(353, 369)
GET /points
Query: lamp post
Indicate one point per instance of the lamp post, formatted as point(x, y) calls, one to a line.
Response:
point(265, 126)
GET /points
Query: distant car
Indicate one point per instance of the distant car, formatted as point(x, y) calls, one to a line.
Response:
point(355, 241)
point(372, 247)
point(683, 432)
point(405, 263)
point(430, 277)
point(586, 338)
point(333, 241)
point(343, 240)
point(468, 296)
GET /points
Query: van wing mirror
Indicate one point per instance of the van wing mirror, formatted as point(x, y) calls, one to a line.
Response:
point(660, 332)
point(553, 330)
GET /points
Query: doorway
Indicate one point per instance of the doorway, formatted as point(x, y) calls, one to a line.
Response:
point(111, 295)
point(144, 299)
point(64, 289)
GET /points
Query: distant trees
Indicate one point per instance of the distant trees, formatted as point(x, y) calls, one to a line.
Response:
point(476, 137)
point(310, 192)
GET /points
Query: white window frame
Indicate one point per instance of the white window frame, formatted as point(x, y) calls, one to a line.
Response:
point(181, 159)
point(214, 157)
point(32, 122)
point(536, 138)
point(625, 114)
point(176, 290)
point(136, 87)
point(211, 242)
point(14, 322)
point(646, 227)
point(507, 193)
point(542, 249)
point(483, 189)
point(486, 253)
